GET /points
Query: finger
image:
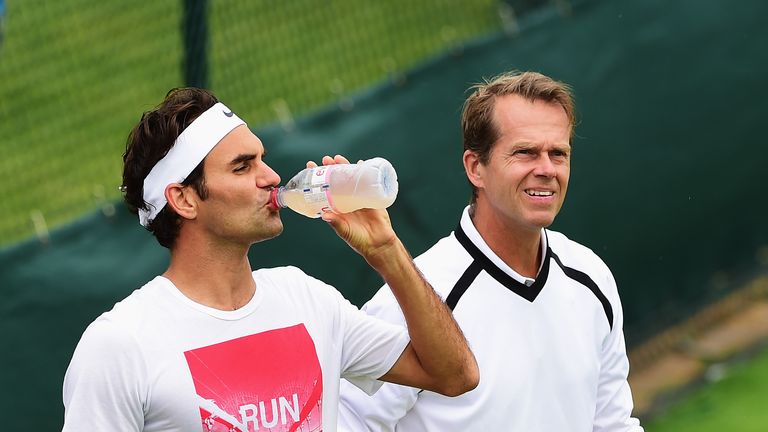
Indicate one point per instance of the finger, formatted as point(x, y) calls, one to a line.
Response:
point(328, 216)
point(311, 164)
point(327, 160)
point(340, 159)
point(334, 221)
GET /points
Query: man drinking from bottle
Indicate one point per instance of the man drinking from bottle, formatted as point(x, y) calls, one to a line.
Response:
point(213, 345)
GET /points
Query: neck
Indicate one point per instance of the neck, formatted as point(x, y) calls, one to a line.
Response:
point(519, 248)
point(213, 275)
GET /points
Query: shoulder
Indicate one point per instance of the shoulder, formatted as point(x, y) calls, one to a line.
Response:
point(290, 281)
point(108, 348)
point(575, 255)
point(117, 330)
point(442, 265)
point(128, 315)
point(109, 334)
point(289, 274)
point(445, 249)
point(288, 277)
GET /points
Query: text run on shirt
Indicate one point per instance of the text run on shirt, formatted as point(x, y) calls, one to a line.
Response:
point(266, 381)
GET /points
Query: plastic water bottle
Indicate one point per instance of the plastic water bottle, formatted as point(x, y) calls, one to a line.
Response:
point(341, 188)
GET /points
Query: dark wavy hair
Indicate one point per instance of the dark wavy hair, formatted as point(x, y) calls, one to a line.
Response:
point(149, 141)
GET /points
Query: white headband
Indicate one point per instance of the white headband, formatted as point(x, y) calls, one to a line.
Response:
point(189, 149)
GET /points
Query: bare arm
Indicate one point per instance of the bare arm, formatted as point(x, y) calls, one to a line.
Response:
point(438, 357)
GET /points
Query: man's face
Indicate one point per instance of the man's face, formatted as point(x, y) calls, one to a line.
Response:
point(523, 185)
point(238, 207)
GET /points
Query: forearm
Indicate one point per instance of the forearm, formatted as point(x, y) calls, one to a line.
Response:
point(438, 357)
point(436, 340)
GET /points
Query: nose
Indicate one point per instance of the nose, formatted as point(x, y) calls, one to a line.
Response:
point(545, 167)
point(269, 177)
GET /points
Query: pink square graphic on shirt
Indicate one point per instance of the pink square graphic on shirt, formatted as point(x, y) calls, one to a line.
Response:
point(269, 381)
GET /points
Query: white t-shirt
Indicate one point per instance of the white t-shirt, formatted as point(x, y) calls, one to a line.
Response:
point(160, 362)
point(551, 353)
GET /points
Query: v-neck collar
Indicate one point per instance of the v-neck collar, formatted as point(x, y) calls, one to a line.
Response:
point(503, 277)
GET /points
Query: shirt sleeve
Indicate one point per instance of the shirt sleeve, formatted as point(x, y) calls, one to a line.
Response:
point(382, 411)
point(370, 347)
point(614, 397)
point(102, 389)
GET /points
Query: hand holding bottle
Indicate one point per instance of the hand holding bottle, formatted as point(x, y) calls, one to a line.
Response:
point(367, 230)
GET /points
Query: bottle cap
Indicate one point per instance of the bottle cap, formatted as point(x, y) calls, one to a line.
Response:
point(273, 198)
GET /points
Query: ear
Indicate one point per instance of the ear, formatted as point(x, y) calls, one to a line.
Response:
point(473, 168)
point(182, 199)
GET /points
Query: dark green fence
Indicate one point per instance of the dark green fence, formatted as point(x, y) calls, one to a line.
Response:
point(666, 179)
point(76, 74)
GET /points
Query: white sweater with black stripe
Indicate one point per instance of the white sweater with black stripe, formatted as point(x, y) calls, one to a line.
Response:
point(551, 350)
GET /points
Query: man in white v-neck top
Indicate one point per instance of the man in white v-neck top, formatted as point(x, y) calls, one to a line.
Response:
point(211, 345)
point(541, 312)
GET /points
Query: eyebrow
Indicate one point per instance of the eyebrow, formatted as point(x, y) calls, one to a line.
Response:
point(526, 145)
point(242, 158)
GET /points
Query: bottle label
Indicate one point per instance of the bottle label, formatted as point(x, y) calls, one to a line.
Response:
point(318, 193)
